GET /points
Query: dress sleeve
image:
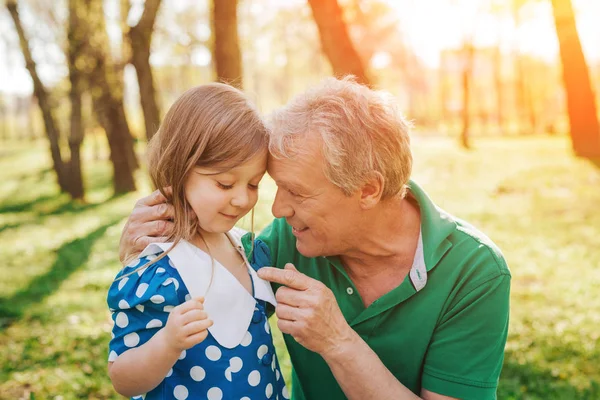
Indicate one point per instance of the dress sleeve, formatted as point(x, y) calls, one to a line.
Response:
point(465, 357)
point(258, 254)
point(140, 303)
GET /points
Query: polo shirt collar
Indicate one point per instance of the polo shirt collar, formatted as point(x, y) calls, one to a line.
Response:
point(436, 226)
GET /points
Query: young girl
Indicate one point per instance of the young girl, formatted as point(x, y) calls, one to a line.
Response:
point(190, 315)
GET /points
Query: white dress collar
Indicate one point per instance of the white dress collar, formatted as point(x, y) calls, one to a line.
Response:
point(227, 303)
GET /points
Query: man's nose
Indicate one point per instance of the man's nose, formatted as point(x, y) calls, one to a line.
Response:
point(281, 207)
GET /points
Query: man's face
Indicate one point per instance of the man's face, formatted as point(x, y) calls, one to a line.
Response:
point(323, 218)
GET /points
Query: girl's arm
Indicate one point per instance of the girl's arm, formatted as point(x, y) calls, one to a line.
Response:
point(141, 369)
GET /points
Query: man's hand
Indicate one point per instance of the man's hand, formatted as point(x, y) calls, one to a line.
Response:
point(308, 310)
point(149, 222)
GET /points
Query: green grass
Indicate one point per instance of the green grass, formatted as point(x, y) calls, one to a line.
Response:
point(536, 201)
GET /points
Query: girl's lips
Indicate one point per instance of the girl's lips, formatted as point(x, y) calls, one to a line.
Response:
point(229, 216)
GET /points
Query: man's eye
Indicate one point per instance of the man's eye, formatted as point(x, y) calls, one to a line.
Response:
point(253, 187)
point(293, 193)
point(223, 186)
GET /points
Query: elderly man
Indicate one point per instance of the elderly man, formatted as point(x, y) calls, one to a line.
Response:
point(382, 295)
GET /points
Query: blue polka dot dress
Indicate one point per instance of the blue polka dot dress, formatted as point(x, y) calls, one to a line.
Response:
point(140, 304)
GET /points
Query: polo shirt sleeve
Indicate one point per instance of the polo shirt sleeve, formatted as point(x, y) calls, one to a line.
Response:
point(466, 353)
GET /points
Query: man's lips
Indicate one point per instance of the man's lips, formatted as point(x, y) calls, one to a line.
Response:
point(297, 231)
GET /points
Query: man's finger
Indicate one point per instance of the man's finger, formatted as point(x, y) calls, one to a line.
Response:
point(288, 277)
point(156, 197)
point(283, 311)
point(286, 326)
point(292, 297)
point(157, 228)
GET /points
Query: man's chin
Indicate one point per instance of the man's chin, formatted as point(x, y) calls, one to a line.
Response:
point(307, 251)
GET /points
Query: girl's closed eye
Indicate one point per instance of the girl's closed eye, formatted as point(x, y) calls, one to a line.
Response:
point(224, 186)
point(252, 186)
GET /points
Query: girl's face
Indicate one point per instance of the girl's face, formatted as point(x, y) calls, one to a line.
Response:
point(219, 200)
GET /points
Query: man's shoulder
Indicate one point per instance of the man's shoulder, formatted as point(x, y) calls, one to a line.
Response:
point(473, 243)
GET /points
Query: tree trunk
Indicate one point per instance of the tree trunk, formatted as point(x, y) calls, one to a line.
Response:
point(140, 37)
point(469, 54)
point(499, 82)
point(335, 41)
point(226, 48)
point(43, 98)
point(107, 98)
point(75, 47)
point(581, 104)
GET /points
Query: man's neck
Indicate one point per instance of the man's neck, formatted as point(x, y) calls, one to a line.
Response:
point(386, 242)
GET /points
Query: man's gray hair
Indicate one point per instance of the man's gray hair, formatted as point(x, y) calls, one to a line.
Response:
point(361, 129)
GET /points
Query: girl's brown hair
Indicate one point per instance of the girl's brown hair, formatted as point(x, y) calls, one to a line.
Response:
point(212, 126)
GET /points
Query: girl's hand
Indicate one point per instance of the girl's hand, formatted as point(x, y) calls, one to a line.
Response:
point(187, 325)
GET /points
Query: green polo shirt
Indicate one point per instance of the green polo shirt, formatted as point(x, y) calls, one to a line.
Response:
point(443, 329)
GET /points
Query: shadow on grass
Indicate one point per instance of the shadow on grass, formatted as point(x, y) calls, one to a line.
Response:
point(527, 381)
point(70, 257)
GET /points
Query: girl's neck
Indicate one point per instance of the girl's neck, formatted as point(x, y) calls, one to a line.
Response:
point(213, 240)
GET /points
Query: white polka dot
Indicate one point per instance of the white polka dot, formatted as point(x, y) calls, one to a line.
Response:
point(197, 373)
point(141, 289)
point(267, 328)
point(155, 323)
point(112, 335)
point(277, 374)
point(246, 340)
point(122, 321)
point(131, 340)
point(188, 297)
point(245, 398)
point(122, 283)
point(168, 308)
point(273, 364)
point(140, 308)
point(141, 271)
point(269, 391)
point(112, 356)
point(228, 374)
point(285, 393)
point(182, 355)
point(171, 264)
point(262, 350)
point(169, 373)
point(180, 392)
point(254, 378)
point(214, 393)
point(140, 397)
point(213, 353)
point(157, 299)
point(133, 263)
point(123, 305)
point(173, 281)
point(160, 270)
point(235, 364)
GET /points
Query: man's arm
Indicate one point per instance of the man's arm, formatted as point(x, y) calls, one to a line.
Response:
point(308, 311)
point(149, 222)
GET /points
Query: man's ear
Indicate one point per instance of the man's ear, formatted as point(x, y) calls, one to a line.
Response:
point(371, 191)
